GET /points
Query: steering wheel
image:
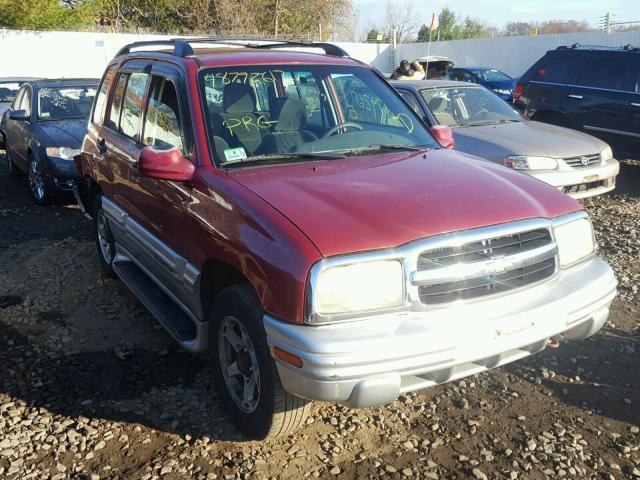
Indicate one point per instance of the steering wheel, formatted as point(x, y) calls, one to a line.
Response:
point(335, 128)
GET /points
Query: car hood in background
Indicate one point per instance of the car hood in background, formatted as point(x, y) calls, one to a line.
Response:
point(494, 142)
point(65, 133)
point(382, 201)
point(503, 84)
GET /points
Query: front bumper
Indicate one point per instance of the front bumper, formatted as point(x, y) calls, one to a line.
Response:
point(60, 173)
point(581, 182)
point(372, 361)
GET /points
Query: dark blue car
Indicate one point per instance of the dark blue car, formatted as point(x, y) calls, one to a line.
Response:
point(500, 83)
point(43, 130)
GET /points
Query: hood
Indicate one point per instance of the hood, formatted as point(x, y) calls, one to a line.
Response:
point(65, 133)
point(509, 84)
point(494, 142)
point(383, 201)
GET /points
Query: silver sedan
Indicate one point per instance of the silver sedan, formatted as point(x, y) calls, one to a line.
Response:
point(485, 126)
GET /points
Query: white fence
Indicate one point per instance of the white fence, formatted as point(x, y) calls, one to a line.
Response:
point(84, 54)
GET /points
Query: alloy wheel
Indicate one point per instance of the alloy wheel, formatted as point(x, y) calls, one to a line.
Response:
point(36, 182)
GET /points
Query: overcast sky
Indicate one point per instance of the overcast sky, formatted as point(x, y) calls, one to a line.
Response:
point(499, 12)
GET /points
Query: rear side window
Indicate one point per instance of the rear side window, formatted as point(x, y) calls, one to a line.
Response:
point(602, 71)
point(131, 115)
point(557, 69)
point(162, 122)
point(411, 100)
point(116, 102)
point(101, 98)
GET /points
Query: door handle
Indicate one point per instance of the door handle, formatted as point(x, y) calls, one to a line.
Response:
point(577, 97)
point(634, 104)
point(102, 146)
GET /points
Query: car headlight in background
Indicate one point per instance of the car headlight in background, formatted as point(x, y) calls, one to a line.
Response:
point(525, 162)
point(606, 154)
point(502, 91)
point(575, 240)
point(358, 287)
point(65, 153)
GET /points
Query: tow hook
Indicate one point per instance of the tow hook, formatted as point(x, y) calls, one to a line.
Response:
point(553, 343)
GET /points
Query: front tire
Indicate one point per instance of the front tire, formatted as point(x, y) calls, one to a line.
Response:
point(39, 191)
point(244, 371)
point(105, 242)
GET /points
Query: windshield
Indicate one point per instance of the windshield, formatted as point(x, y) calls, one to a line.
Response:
point(285, 113)
point(465, 106)
point(65, 102)
point(491, 75)
point(8, 90)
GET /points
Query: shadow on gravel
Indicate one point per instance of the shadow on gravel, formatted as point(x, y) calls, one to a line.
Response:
point(628, 181)
point(606, 365)
point(126, 386)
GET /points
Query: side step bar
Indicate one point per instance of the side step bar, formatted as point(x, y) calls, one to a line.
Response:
point(179, 325)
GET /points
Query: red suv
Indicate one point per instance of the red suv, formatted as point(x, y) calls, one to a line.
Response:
point(281, 206)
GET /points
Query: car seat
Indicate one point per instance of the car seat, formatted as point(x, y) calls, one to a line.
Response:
point(438, 106)
point(288, 131)
point(237, 123)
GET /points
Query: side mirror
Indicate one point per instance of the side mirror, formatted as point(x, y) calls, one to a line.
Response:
point(20, 115)
point(444, 135)
point(165, 165)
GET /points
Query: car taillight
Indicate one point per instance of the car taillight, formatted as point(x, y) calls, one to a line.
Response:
point(518, 92)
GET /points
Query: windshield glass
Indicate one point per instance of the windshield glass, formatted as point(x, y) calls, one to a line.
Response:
point(284, 113)
point(8, 90)
point(464, 106)
point(491, 75)
point(65, 102)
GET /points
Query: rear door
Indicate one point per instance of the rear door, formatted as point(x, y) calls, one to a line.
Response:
point(548, 92)
point(601, 93)
point(633, 131)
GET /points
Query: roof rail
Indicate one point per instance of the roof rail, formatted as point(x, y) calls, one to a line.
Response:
point(577, 46)
point(182, 46)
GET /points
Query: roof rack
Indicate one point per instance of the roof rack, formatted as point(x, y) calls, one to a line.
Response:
point(577, 46)
point(182, 46)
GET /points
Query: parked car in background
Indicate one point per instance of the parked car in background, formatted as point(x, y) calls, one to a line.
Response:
point(9, 86)
point(308, 230)
point(485, 126)
point(594, 89)
point(500, 83)
point(44, 128)
point(436, 66)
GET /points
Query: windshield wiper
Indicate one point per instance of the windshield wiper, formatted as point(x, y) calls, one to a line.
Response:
point(287, 156)
point(494, 122)
point(386, 146)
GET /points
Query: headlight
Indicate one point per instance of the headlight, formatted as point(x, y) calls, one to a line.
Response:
point(65, 153)
point(358, 287)
point(502, 91)
point(524, 162)
point(606, 154)
point(575, 240)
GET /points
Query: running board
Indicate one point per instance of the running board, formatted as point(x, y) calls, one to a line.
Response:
point(177, 323)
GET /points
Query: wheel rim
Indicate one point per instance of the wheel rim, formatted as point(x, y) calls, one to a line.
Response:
point(35, 180)
point(104, 237)
point(239, 364)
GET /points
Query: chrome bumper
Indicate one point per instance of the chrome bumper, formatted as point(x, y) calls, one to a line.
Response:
point(372, 361)
point(560, 179)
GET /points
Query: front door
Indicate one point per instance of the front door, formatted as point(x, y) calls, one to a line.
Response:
point(18, 130)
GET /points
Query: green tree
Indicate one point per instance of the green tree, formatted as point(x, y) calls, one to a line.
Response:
point(472, 29)
point(423, 33)
point(447, 25)
point(38, 15)
point(372, 36)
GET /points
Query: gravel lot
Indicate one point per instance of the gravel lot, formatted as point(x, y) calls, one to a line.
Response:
point(91, 386)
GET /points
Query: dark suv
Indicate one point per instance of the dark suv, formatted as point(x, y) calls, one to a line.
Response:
point(595, 89)
point(289, 212)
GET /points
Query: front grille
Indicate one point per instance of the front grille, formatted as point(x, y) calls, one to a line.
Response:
point(485, 267)
point(583, 161)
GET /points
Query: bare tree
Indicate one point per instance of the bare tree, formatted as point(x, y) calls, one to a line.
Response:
point(517, 29)
point(401, 17)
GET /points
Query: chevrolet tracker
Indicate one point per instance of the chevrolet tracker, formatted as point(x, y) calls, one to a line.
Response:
point(287, 211)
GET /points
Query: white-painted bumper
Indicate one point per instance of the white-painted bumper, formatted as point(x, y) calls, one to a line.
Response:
point(371, 361)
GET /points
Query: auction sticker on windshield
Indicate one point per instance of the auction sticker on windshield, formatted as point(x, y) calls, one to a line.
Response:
point(234, 154)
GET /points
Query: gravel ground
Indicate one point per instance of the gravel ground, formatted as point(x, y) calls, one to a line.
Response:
point(92, 388)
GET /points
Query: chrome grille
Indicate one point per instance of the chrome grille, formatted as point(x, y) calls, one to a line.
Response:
point(583, 161)
point(485, 267)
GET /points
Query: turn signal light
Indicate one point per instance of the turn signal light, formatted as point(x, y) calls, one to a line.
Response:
point(287, 357)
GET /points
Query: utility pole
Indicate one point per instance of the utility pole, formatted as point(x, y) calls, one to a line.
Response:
point(605, 23)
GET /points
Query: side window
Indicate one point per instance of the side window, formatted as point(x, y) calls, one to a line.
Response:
point(101, 98)
point(162, 123)
point(25, 101)
point(262, 95)
point(131, 115)
point(15, 105)
point(411, 100)
point(602, 71)
point(116, 102)
point(557, 69)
